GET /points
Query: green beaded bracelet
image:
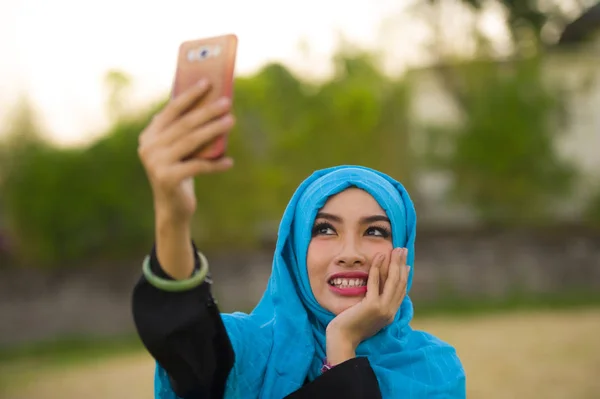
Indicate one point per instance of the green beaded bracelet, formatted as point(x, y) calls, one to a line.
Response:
point(176, 285)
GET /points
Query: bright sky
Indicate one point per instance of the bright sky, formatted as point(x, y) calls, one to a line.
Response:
point(57, 51)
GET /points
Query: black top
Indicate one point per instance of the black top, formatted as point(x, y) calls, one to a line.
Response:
point(184, 333)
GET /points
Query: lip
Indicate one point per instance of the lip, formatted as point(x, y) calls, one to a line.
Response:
point(354, 291)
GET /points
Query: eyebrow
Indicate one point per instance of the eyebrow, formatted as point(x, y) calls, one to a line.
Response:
point(364, 220)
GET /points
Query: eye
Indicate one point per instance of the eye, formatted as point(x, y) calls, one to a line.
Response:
point(378, 232)
point(323, 229)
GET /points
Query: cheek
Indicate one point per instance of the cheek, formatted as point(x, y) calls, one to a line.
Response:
point(379, 246)
point(318, 258)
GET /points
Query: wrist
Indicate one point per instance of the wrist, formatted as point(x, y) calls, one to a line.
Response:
point(166, 215)
point(339, 347)
point(173, 247)
point(336, 332)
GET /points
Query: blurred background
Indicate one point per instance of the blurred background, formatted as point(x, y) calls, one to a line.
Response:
point(487, 110)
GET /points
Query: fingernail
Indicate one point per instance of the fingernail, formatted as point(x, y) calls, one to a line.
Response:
point(202, 83)
point(227, 161)
point(223, 101)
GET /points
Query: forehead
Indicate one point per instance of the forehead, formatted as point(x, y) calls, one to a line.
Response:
point(353, 201)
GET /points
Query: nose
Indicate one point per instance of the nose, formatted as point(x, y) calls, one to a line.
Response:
point(350, 255)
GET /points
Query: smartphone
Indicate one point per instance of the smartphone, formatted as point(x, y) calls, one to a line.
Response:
point(210, 58)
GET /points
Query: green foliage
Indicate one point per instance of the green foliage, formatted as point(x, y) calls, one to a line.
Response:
point(286, 129)
point(117, 84)
point(503, 156)
point(592, 212)
point(66, 206)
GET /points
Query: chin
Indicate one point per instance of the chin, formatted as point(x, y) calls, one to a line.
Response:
point(340, 305)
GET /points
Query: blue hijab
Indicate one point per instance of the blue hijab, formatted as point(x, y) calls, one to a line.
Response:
point(282, 342)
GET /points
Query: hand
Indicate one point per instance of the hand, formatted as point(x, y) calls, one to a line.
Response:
point(167, 143)
point(377, 309)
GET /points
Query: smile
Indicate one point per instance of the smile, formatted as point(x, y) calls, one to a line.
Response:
point(349, 284)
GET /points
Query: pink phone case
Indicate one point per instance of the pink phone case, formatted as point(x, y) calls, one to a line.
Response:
point(213, 59)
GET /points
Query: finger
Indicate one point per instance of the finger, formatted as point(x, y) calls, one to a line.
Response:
point(391, 285)
point(384, 271)
point(373, 279)
point(200, 137)
point(195, 166)
point(196, 118)
point(178, 105)
point(404, 273)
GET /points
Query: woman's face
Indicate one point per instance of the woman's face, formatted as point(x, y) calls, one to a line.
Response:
point(347, 234)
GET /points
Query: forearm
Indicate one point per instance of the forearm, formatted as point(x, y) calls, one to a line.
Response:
point(173, 249)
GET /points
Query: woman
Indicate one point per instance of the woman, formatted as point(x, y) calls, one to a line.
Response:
point(334, 319)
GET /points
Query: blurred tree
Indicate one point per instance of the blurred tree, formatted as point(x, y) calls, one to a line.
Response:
point(118, 84)
point(287, 128)
point(592, 212)
point(503, 156)
point(22, 128)
point(536, 23)
point(22, 144)
point(68, 206)
point(583, 29)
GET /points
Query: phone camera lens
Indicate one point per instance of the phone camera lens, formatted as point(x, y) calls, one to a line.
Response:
point(191, 56)
point(204, 53)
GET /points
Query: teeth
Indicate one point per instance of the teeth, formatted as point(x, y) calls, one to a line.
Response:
point(348, 282)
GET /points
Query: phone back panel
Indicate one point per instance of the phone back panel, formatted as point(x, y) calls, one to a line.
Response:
point(212, 59)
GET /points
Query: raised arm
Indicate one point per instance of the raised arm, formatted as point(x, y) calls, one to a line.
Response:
point(182, 329)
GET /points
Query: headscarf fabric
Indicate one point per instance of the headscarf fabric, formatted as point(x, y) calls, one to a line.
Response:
point(281, 342)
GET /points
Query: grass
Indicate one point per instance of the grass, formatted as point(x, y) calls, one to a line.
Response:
point(519, 354)
point(22, 364)
point(66, 350)
point(526, 354)
point(455, 305)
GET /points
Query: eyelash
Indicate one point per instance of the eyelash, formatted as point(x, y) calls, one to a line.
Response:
point(384, 231)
